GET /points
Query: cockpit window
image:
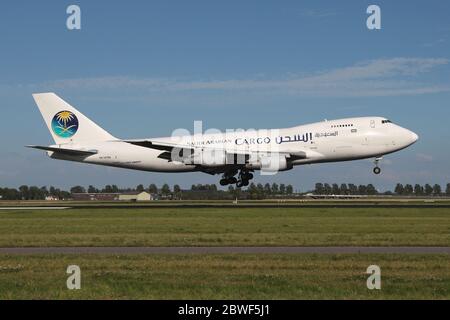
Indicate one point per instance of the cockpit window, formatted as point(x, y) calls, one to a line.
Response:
point(386, 121)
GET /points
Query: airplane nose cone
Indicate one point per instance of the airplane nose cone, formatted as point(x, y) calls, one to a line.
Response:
point(414, 137)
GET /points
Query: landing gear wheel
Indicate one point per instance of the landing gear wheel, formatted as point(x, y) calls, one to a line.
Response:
point(224, 182)
point(245, 176)
point(377, 170)
point(232, 180)
point(239, 184)
point(248, 176)
point(245, 183)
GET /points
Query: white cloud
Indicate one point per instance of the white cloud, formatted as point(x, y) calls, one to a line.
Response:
point(437, 42)
point(317, 14)
point(383, 77)
point(424, 157)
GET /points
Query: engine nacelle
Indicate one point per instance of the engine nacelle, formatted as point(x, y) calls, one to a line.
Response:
point(269, 163)
point(206, 157)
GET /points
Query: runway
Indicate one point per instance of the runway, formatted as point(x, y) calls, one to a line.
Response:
point(34, 208)
point(281, 205)
point(224, 250)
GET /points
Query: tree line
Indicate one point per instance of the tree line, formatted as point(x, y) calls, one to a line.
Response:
point(33, 193)
point(197, 191)
point(419, 190)
point(211, 191)
point(400, 189)
point(152, 188)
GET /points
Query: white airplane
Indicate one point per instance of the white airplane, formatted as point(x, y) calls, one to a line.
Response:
point(235, 155)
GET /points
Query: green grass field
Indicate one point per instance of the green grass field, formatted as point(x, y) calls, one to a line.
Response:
point(225, 277)
point(225, 226)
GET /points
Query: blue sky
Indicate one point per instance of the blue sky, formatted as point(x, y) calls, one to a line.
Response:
point(144, 68)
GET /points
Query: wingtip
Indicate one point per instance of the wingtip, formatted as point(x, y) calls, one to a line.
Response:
point(37, 94)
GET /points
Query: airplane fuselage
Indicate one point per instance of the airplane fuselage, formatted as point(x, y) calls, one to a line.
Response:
point(326, 141)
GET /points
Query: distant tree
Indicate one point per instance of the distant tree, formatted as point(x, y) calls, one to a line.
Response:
point(326, 189)
point(55, 192)
point(275, 188)
point(267, 189)
point(114, 188)
point(153, 188)
point(107, 189)
point(335, 189)
point(362, 189)
point(447, 190)
point(344, 189)
point(77, 189)
point(10, 194)
point(282, 188)
point(418, 190)
point(64, 195)
point(140, 188)
point(260, 191)
point(177, 191)
point(371, 190)
point(24, 192)
point(231, 190)
point(165, 189)
point(289, 189)
point(437, 190)
point(399, 189)
point(44, 191)
point(194, 187)
point(352, 189)
point(34, 193)
point(319, 188)
point(428, 189)
point(92, 189)
point(52, 191)
point(408, 190)
point(253, 191)
point(235, 192)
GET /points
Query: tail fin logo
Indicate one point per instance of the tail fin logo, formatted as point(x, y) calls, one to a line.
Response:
point(65, 124)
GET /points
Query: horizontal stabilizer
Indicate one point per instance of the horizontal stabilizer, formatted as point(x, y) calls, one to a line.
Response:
point(71, 152)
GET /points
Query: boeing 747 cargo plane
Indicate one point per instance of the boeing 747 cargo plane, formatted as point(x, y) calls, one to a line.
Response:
point(234, 155)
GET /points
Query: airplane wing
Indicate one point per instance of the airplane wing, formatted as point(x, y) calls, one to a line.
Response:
point(70, 152)
point(153, 144)
point(187, 150)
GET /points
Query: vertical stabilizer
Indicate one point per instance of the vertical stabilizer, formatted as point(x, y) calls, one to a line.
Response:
point(65, 123)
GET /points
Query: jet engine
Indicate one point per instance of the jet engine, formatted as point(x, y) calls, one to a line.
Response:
point(205, 157)
point(269, 163)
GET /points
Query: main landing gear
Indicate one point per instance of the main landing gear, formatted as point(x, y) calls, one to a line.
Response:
point(377, 169)
point(242, 180)
point(244, 177)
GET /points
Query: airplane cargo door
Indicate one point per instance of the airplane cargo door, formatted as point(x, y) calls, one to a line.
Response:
point(366, 138)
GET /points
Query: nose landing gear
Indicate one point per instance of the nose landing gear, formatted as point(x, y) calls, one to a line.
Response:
point(377, 169)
